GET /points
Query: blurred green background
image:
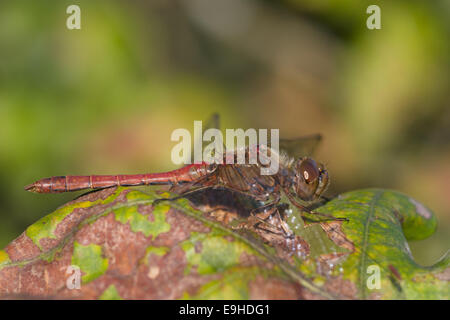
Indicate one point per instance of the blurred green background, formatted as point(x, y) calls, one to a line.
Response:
point(105, 99)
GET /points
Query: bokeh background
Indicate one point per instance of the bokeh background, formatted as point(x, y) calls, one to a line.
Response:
point(105, 99)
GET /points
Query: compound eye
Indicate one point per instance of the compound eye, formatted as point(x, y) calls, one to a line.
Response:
point(309, 171)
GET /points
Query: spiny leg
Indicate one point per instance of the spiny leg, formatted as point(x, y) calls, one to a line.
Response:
point(183, 195)
point(257, 215)
point(307, 210)
point(256, 218)
point(281, 208)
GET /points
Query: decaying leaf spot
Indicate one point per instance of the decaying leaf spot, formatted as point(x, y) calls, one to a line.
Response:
point(89, 259)
point(153, 272)
point(262, 288)
point(420, 208)
point(346, 288)
point(110, 293)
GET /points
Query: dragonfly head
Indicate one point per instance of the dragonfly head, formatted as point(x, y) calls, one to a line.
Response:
point(311, 179)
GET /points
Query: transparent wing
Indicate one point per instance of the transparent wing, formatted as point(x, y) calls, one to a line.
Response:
point(300, 147)
point(213, 122)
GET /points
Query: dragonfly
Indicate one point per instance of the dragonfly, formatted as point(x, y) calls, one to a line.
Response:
point(299, 177)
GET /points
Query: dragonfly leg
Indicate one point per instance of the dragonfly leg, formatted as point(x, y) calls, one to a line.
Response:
point(261, 214)
point(256, 216)
point(286, 231)
point(183, 195)
point(262, 211)
point(329, 216)
point(307, 210)
point(259, 223)
point(281, 208)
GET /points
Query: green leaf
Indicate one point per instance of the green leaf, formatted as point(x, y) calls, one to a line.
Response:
point(379, 224)
point(125, 243)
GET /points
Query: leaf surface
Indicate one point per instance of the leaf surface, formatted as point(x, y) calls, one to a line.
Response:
point(127, 247)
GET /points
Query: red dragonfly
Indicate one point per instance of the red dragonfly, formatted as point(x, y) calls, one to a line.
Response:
point(300, 178)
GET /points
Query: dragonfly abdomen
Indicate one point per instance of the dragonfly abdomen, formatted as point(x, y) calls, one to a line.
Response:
point(73, 183)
